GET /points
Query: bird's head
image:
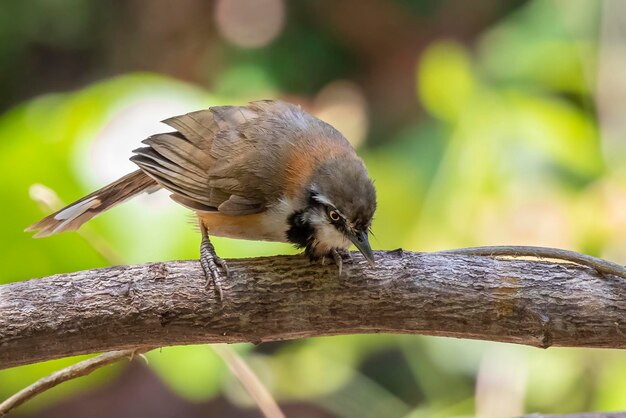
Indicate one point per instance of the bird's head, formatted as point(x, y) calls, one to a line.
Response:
point(340, 201)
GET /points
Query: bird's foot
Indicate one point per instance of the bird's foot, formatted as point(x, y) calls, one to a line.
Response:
point(213, 266)
point(339, 255)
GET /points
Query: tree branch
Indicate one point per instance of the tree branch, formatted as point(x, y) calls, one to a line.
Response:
point(533, 302)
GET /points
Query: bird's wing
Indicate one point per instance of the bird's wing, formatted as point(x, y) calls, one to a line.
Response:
point(236, 159)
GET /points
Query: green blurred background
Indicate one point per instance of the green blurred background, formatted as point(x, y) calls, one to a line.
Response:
point(482, 122)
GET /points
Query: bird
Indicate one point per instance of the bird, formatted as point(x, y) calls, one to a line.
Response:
point(267, 170)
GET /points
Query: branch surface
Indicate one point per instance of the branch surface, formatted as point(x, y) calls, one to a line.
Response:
point(535, 302)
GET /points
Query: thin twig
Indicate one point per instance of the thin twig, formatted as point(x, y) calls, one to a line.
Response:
point(74, 371)
point(250, 381)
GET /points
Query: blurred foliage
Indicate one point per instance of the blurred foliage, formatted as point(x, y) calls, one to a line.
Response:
point(503, 146)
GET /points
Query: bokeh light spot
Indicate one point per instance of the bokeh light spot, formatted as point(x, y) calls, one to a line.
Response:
point(342, 104)
point(250, 23)
point(445, 80)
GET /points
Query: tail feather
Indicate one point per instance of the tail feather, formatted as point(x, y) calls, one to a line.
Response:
point(71, 217)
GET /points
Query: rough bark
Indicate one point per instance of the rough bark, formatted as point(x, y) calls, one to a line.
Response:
point(534, 302)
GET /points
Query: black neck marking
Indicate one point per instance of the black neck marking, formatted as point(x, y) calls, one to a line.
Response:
point(301, 234)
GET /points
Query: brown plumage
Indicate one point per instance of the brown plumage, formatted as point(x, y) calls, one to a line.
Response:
point(266, 171)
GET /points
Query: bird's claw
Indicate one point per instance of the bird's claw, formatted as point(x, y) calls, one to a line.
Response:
point(338, 256)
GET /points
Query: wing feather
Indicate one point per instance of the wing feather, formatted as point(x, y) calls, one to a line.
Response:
point(198, 127)
point(238, 205)
point(236, 159)
point(188, 162)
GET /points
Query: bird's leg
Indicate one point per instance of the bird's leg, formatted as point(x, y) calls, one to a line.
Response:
point(210, 262)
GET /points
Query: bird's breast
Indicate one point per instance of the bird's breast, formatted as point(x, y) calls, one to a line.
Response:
point(269, 225)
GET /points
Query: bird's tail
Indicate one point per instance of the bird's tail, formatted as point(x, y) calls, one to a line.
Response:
point(71, 217)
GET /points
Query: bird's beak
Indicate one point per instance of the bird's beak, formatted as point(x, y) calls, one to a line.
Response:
point(361, 241)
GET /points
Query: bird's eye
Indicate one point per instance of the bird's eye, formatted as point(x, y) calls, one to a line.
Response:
point(333, 215)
